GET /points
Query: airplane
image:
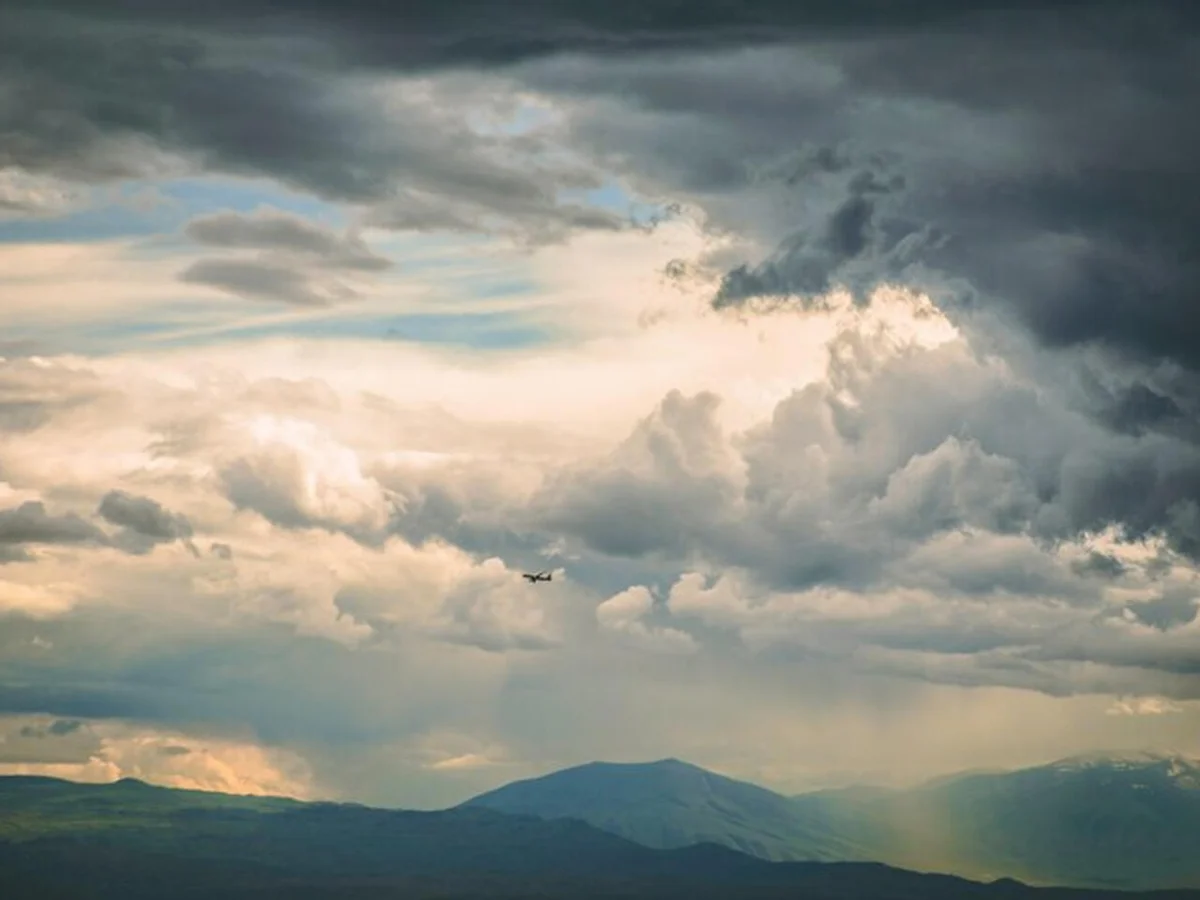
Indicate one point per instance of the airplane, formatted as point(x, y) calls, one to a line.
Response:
point(536, 576)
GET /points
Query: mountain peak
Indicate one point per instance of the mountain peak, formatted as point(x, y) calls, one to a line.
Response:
point(670, 803)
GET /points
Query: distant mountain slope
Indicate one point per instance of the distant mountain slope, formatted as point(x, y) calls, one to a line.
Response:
point(1126, 822)
point(132, 841)
point(669, 803)
point(1131, 822)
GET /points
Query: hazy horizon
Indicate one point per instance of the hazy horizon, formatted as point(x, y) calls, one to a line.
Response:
point(841, 364)
point(1098, 757)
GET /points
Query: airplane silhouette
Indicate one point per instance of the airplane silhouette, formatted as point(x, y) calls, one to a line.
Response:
point(536, 576)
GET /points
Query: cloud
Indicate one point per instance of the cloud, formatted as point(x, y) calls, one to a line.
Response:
point(275, 230)
point(432, 36)
point(35, 600)
point(300, 263)
point(264, 280)
point(22, 194)
point(958, 160)
point(915, 499)
point(30, 523)
point(296, 477)
point(1143, 706)
point(138, 97)
point(624, 614)
point(873, 513)
point(973, 132)
point(107, 751)
point(897, 444)
point(143, 521)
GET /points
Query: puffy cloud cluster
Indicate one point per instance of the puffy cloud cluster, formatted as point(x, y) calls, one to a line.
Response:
point(923, 508)
point(913, 513)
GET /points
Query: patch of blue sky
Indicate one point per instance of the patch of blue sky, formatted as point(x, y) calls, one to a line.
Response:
point(614, 197)
point(117, 334)
point(476, 331)
point(526, 118)
point(458, 268)
point(160, 209)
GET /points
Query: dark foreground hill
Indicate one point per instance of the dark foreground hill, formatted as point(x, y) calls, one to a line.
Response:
point(133, 841)
point(1130, 823)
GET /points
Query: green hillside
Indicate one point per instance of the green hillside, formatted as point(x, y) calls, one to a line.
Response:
point(32, 806)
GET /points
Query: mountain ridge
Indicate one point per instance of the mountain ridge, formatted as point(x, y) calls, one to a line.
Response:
point(1095, 820)
point(135, 841)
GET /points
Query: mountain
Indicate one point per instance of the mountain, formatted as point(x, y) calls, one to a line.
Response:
point(133, 841)
point(1129, 822)
point(669, 804)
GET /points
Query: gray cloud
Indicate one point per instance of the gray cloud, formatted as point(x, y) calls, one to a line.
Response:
point(300, 262)
point(426, 34)
point(1038, 152)
point(261, 279)
point(1024, 193)
point(1168, 611)
point(110, 97)
point(1040, 156)
point(57, 728)
point(850, 244)
point(48, 741)
point(894, 449)
point(30, 523)
point(143, 521)
point(276, 230)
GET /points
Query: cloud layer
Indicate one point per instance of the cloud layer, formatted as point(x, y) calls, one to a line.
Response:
point(917, 513)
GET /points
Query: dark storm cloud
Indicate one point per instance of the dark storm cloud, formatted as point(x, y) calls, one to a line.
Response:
point(1043, 150)
point(1033, 171)
point(1041, 156)
point(98, 97)
point(426, 33)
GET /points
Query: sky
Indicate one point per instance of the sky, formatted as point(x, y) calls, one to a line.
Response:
point(841, 361)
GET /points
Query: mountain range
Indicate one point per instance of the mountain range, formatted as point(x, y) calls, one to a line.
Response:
point(1124, 822)
point(662, 830)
